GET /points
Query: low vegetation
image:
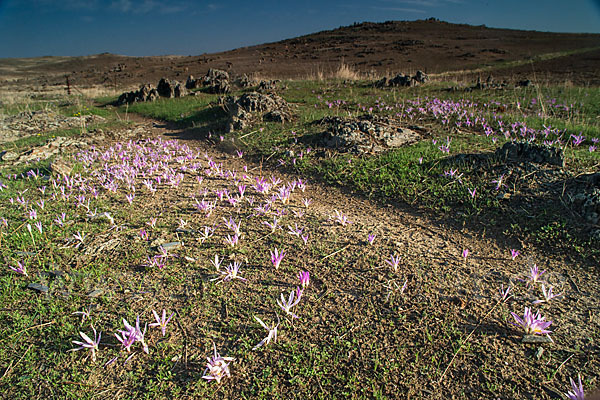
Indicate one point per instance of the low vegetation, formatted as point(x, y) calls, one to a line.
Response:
point(264, 264)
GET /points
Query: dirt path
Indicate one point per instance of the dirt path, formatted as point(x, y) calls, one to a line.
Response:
point(413, 318)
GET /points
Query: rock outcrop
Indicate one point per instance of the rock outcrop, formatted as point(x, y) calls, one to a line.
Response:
point(252, 107)
point(403, 80)
point(146, 93)
point(365, 134)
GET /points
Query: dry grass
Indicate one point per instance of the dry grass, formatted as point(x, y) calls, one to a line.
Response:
point(343, 72)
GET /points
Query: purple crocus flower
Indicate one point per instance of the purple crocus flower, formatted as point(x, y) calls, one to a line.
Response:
point(287, 305)
point(577, 390)
point(88, 343)
point(514, 253)
point(505, 293)
point(217, 367)
point(162, 322)
point(371, 238)
point(272, 335)
point(276, 257)
point(534, 275)
point(394, 261)
point(131, 334)
point(304, 277)
point(231, 272)
point(19, 269)
point(548, 295)
point(532, 324)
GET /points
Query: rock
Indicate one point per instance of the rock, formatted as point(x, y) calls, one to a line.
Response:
point(421, 77)
point(60, 167)
point(146, 93)
point(402, 80)
point(169, 89)
point(252, 107)
point(524, 83)
point(584, 198)
point(535, 153)
point(38, 287)
point(180, 90)
point(58, 274)
point(268, 86)
point(245, 81)
point(217, 81)
point(8, 156)
point(171, 245)
point(536, 339)
point(365, 134)
point(39, 153)
point(192, 83)
point(26, 253)
point(95, 293)
point(383, 82)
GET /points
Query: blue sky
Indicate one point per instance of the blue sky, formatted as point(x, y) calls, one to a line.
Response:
point(31, 28)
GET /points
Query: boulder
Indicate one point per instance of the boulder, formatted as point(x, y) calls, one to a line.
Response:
point(170, 88)
point(217, 81)
point(402, 80)
point(251, 107)
point(531, 152)
point(268, 86)
point(192, 83)
point(365, 134)
point(245, 81)
point(145, 93)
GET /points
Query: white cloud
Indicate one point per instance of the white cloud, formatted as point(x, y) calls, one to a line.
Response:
point(146, 6)
point(400, 9)
point(424, 3)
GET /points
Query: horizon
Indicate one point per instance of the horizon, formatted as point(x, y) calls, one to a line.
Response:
point(139, 28)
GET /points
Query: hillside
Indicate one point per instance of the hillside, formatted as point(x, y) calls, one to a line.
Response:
point(377, 48)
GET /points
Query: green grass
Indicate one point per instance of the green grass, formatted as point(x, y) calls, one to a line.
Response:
point(355, 337)
point(186, 111)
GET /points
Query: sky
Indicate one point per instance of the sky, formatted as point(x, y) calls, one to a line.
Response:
point(33, 28)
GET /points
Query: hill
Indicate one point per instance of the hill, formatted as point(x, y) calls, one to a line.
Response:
point(433, 46)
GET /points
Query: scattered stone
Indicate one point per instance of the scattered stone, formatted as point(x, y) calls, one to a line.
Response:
point(55, 274)
point(252, 107)
point(421, 77)
point(536, 339)
point(170, 89)
point(245, 81)
point(535, 153)
point(192, 83)
point(365, 134)
point(146, 93)
point(217, 81)
point(171, 245)
point(186, 231)
point(403, 80)
point(268, 86)
point(539, 352)
point(27, 123)
point(524, 83)
point(488, 84)
point(8, 156)
point(38, 287)
point(95, 293)
point(61, 167)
